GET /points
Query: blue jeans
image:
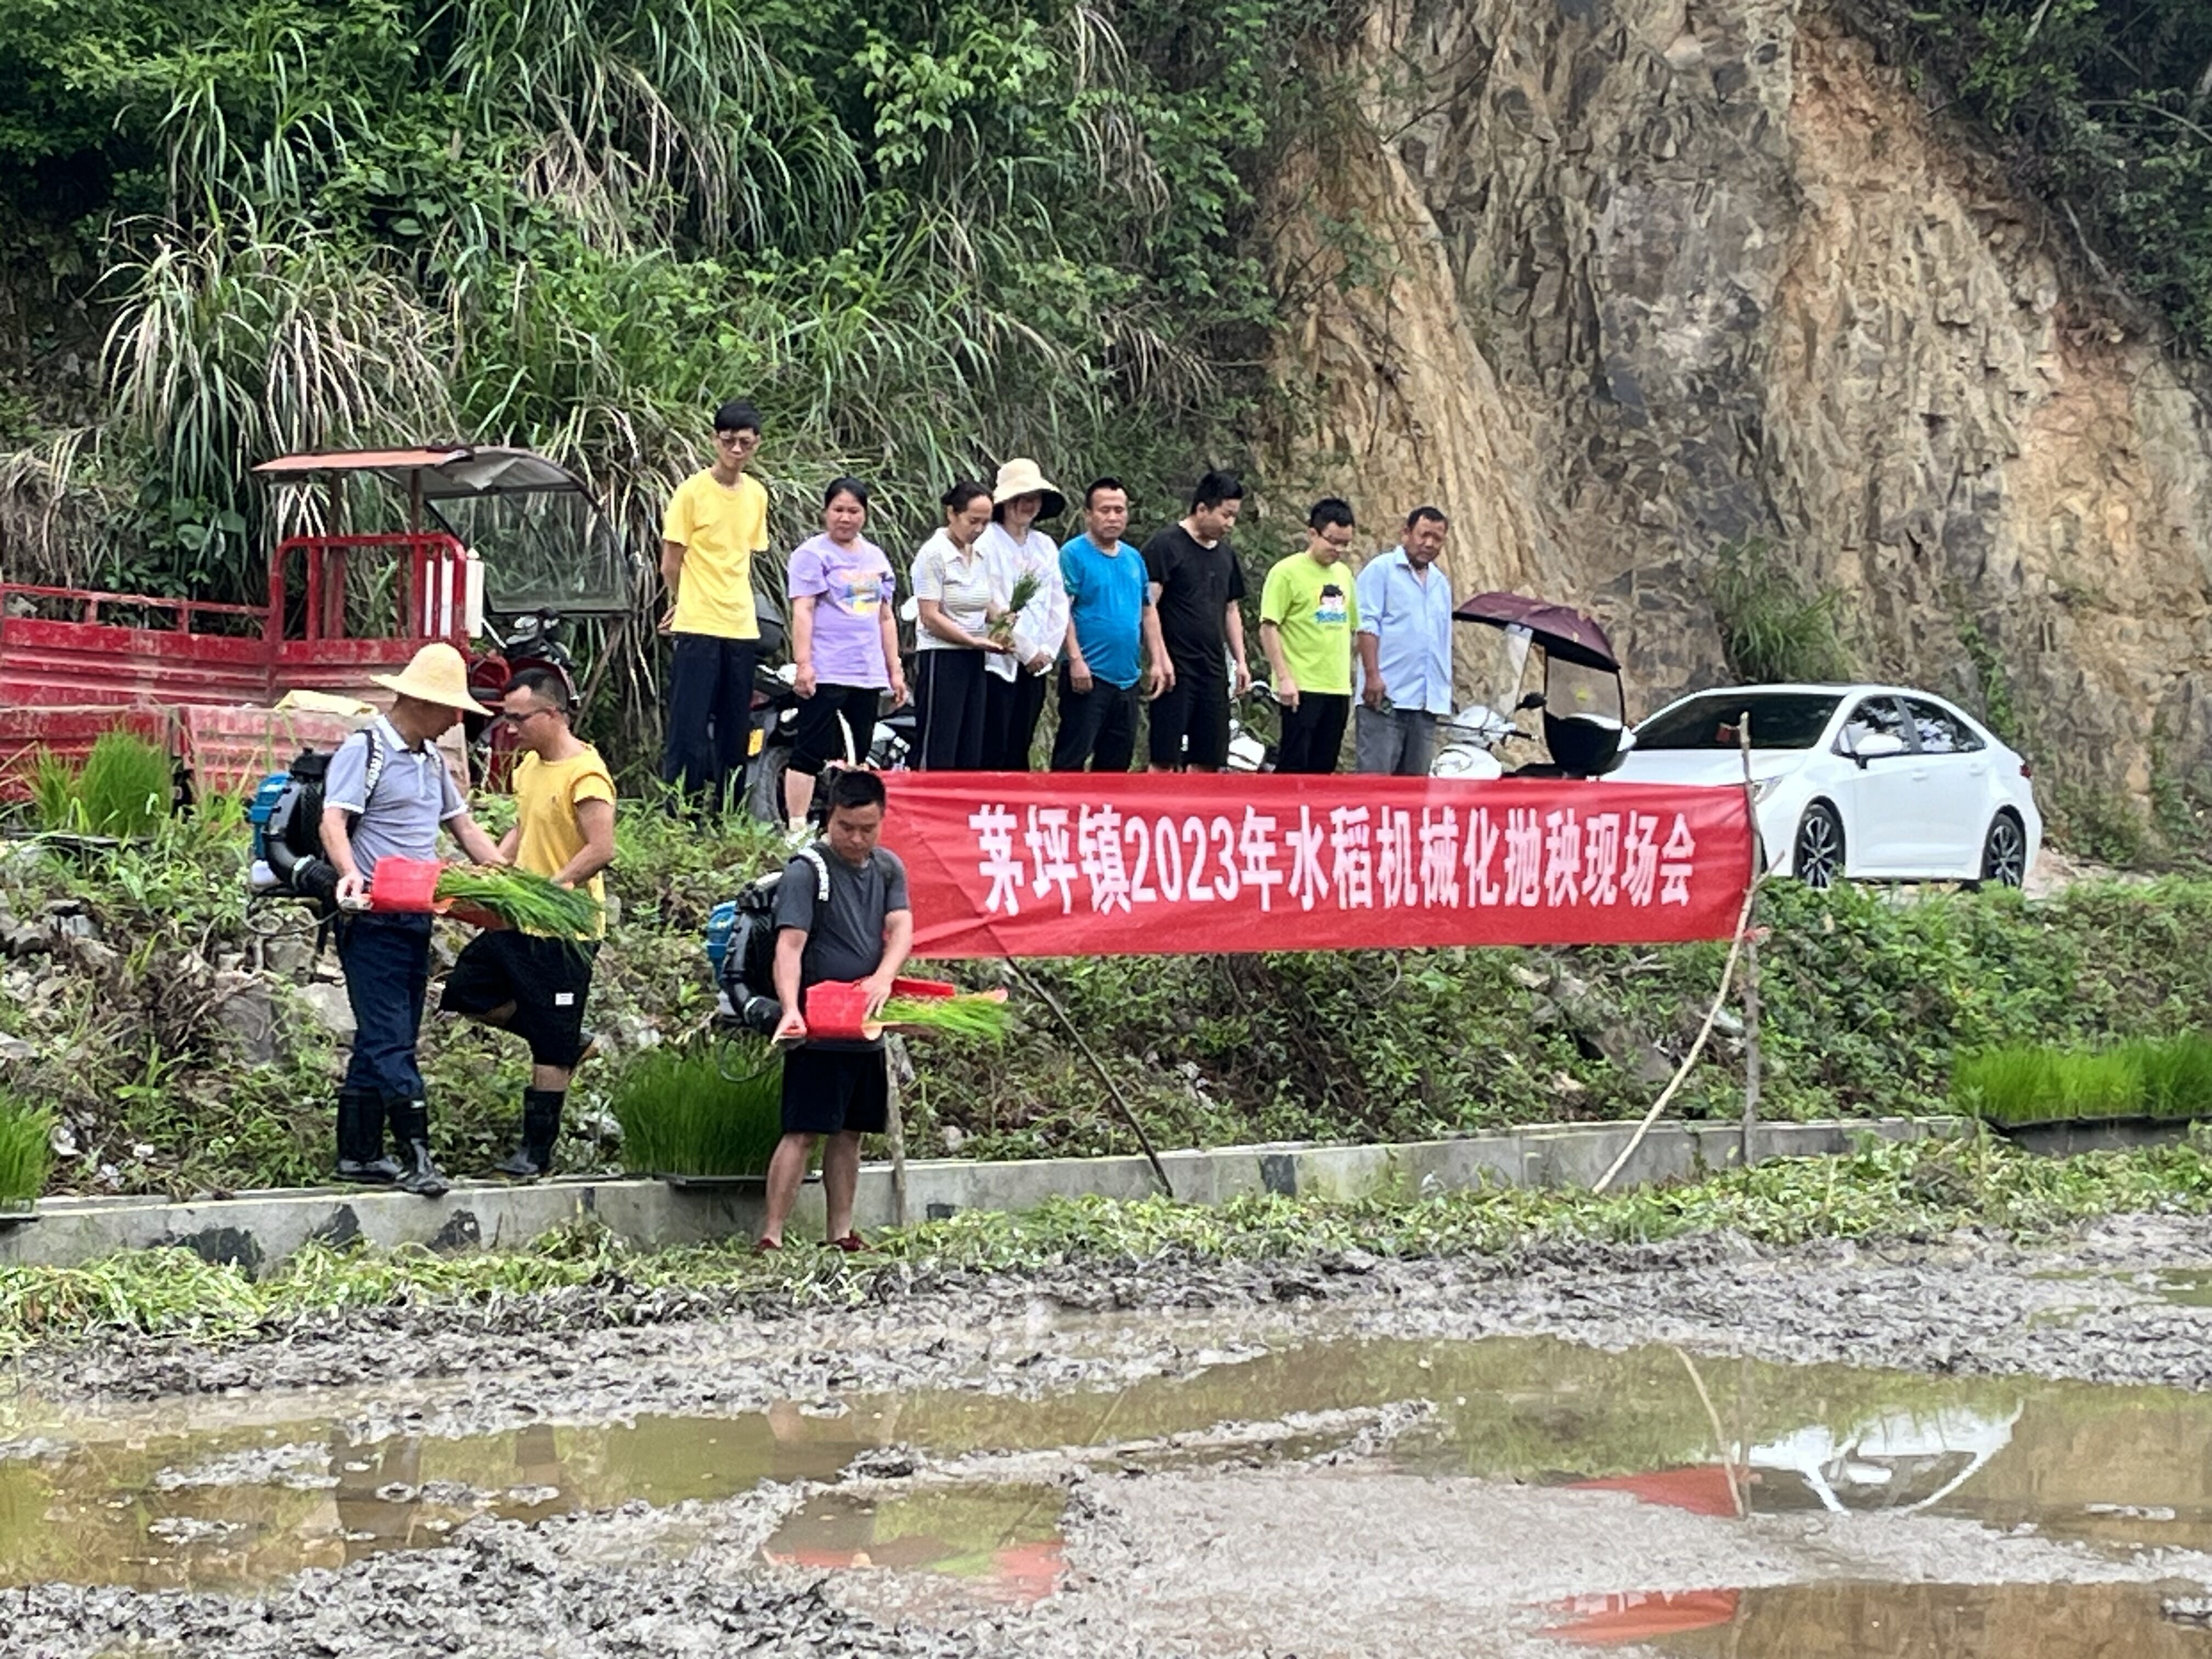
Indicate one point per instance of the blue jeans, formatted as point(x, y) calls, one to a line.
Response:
point(388, 973)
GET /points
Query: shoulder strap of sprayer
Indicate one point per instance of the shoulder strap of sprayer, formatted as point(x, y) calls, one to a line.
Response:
point(375, 769)
point(813, 856)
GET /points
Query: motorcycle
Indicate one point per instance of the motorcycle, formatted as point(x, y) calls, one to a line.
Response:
point(532, 640)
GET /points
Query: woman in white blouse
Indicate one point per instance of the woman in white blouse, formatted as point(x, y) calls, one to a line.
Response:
point(1013, 548)
point(955, 604)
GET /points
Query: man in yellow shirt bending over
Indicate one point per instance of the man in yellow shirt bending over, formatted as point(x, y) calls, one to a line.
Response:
point(564, 827)
point(716, 521)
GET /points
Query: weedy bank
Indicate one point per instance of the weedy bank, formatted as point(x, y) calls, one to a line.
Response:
point(1919, 1191)
point(182, 1051)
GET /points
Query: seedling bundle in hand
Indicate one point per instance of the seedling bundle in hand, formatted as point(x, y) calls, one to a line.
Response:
point(524, 899)
point(980, 1017)
point(1026, 587)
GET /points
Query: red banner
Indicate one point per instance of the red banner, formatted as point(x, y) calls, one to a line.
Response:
point(1012, 863)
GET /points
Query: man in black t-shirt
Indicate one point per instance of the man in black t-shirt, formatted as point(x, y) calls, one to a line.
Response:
point(1196, 585)
point(841, 914)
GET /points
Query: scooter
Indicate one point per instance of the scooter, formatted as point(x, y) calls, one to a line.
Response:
point(1248, 751)
point(532, 640)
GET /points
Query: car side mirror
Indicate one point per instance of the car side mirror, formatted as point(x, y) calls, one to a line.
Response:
point(1533, 700)
point(1877, 745)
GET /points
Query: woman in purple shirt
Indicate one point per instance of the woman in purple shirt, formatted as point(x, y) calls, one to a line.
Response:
point(844, 642)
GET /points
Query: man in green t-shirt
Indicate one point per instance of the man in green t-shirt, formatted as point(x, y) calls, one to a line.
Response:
point(1308, 615)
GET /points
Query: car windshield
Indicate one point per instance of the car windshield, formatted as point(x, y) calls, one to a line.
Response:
point(1779, 720)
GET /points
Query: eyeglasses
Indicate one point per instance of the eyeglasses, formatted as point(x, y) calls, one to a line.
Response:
point(527, 714)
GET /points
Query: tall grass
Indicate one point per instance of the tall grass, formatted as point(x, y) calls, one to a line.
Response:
point(124, 788)
point(1771, 630)
point(701, 1110)
point(26, 1150)
point(2148, 1078)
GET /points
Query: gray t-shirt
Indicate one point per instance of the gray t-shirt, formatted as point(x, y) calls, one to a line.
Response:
point(414, 793)
point(844, 937)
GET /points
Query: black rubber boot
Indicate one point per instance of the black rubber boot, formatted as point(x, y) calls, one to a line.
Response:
point(541, 1126)
point(411, 1129)
point(361, 1139)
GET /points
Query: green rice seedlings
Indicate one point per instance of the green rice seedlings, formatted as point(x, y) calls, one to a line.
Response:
point(26, 1151)
point(524, 899)
point(970, 1018)
point(701, 1111)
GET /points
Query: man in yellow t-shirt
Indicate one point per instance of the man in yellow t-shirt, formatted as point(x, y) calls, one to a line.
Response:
point(716, 521)
point(564, 827)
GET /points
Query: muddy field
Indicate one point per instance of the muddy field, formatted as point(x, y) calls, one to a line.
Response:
point(1697, 1450)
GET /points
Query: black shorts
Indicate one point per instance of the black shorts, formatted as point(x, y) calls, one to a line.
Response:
point(829, 1091)
point(816, 740)
point(547, 980)
point(1197, 708)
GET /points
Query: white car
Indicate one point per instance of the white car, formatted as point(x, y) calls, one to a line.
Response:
point(1872, 781)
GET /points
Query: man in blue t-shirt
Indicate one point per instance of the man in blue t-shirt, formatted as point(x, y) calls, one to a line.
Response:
point(1110, 616)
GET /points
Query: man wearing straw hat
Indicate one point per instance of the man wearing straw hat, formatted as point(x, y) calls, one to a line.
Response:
point(1013, 548)
point(386, 795)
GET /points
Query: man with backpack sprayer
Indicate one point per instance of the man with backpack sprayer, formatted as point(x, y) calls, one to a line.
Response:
point(564, 830)
point(386, 795)
point(841, 914)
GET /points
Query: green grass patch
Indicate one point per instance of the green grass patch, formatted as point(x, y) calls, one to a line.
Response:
point(1917, 1191)
point(26, 1150)
point(704, 1110)
point(2169, 1077)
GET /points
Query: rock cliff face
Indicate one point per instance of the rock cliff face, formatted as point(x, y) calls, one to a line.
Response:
point(1631, 281)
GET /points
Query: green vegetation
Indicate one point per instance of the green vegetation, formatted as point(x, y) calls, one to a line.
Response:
point(702, 1110)
point(2101, 108)
point(125, 787)
point(25, 1152)
point(1886, 1191)
point(1771, 629)
point(1866, 1004)
point(2168, 1078)
point(920, 237)
point(524, 899)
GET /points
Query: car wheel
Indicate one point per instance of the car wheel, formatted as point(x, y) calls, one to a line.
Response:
point(2004, 852)
point(1819, 858)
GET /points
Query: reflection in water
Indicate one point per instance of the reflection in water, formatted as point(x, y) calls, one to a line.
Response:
point(1004, 1540)
point(1889, 1621)
point(244, 1504)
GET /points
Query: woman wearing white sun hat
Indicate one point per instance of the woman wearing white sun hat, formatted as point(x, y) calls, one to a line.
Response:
point(1012, 548)
point(388, 793)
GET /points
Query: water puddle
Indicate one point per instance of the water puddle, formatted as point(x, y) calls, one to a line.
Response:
point(1889, 1621)
point(1002, 1541)
point(242, 1504)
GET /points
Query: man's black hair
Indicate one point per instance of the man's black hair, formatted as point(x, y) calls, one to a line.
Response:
point(843, 486)
point(1215, 488)
point(854, 790)
point(737, 416)
point(1328, 510)
point(1091, 490)
point(544, 684)
point(1421, 513)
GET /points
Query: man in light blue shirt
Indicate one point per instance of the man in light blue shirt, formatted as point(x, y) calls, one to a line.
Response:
point(1404, 650)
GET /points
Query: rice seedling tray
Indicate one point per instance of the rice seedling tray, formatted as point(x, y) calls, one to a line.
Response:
point(2061, 1137)
point(737, 1183)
